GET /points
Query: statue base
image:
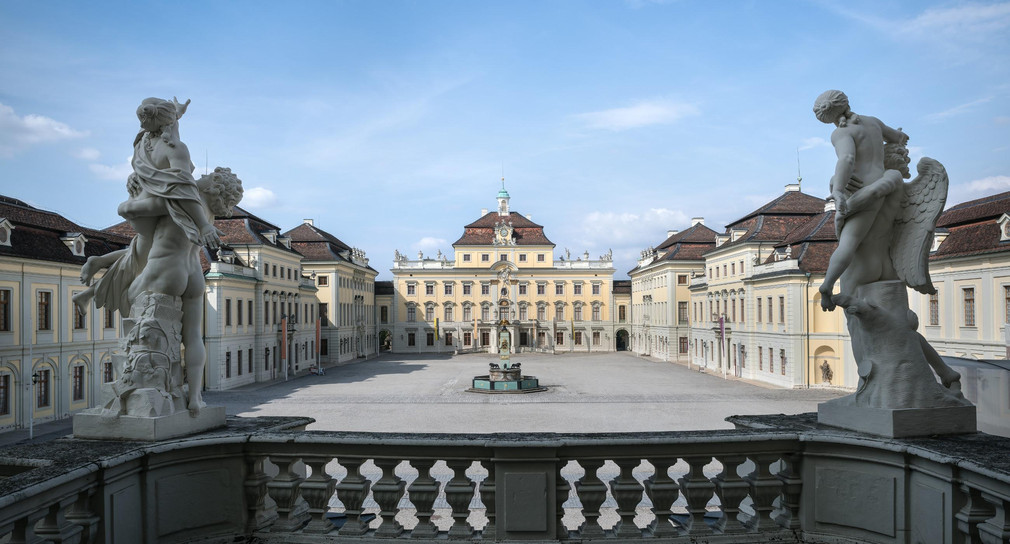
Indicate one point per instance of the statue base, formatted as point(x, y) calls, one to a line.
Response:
point(96, 425)
point(898, 423)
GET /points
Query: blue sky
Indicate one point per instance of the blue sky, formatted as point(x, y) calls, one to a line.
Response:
point(389, 123)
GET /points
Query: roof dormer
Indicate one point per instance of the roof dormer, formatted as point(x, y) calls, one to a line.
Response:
point(941, 234)
point(75, 241)
point(1004, 227)
point(271, 235)
point(5, 232)
point(285, 241)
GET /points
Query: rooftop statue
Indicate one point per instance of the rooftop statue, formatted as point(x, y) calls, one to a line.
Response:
point(158, 280)
point(885, 229)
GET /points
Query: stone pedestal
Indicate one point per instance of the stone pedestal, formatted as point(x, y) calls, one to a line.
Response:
point(93, 424)
point(898, 423)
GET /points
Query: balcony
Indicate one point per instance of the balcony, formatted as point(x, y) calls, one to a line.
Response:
point(773, 479)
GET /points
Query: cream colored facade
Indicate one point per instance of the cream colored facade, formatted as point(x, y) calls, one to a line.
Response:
point(556, 303)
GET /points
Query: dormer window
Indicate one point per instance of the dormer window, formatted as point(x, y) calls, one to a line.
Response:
point(285, 241)
point(1004, 227)
point(721, 239)
point(271, 235)
point(940, 235)
point(75, 241)
point(5, 232)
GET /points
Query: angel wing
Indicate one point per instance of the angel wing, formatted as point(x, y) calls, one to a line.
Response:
point(914, 225)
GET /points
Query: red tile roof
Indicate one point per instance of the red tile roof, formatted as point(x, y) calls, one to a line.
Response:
point(972, 228)
point(315, 244)
point(788, 203)
point(481, 231)
point(37, 235)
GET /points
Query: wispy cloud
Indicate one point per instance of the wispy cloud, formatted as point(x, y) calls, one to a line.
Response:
point(810, 143)
point(638, 229)
point(429, 244)
point(640, 114)
point(20, 132)
point(87, 154)
point(258, 198)
point(116, 172)
point(992, 184)
point(1002, 120)
point(970, 20)
point(960, 109)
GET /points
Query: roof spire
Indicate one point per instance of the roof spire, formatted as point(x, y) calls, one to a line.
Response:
point(799, 176)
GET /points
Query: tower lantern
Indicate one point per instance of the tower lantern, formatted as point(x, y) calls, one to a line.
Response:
point(503, 199)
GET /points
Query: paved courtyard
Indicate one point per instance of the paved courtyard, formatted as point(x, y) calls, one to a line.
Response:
point(608, 392)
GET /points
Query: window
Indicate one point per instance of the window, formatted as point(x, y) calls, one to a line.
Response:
point(578, 313)
point(238, 316)
point(411, 339)
point(323, 280)
point(79, 320)
point(448, 313)
point(770, 318)
point(682, 279)
point(250, 306)
point(42, 390)
point(771, 360)
point(227, 312)
point(467, 313)
point(732, 269)
point(596, 338)
point(275, 271)
point(45, 312)
point(503, 258)
point(578, 338)
point(732, 304)
point(448, 338)
point(724, 270)
point(969, 306)
point(577, 289)
point(542, 313)
point(411, 313)
point(485, 313)
point(559, 338)
point(559, 289)
point(78, 386)
point(782, 361)
point(541, 289)
point(742, 319)
point(431, 338)
point(622, 313)
point(596, 313)
point(5, 310)
point(383, 314)
point(466, 257)
point(596, 288)
point(761, 358)
point(485, 338)
point(227, 365)
point(324, 346)
point(324, 313)
point(782, 309)
point(447, 289)
point(5, 394)
point(683, 345)
point(485, 257)
point(429, 289)
point(559, 313)
point(410, 288)
point(107, 374)
point(522, 288)
point(682, 312)
point(522, 257)
point(934, 308)
point(485, 289)
point(522, 313)
point(540, 257)
point(467, 338)
point(758, 309)
point(239, 365)
point(466, 288)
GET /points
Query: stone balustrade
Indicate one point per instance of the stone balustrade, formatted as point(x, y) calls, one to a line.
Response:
point(774, 479)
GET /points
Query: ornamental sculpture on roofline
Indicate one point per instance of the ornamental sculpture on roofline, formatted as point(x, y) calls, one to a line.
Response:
point(885, 229)
point(158, 283)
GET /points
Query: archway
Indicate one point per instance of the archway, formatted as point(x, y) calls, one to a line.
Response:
point(622, 340)
point(825, 366)
point(385, 340)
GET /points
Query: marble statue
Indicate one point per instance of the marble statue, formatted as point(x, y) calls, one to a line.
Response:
point(158, 281)
point(885, 229)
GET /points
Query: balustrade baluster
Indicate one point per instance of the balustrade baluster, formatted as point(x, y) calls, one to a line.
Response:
point(487, 496)
point(81, 513)
point(731, 489)
point(764, 489)
point(262, 509)
point(697, 490)
point(996, 530)
point(792, 486)
point(387, 491)
point(352, 491)
point(592, 493)
point(628, 493)
point(423, 492)
point(292, 510)
point(562, 490)
point(55, 527)
point(24, 528)
point(975, 511)
point(317, 490)
point(459, 494)
point(663, 492)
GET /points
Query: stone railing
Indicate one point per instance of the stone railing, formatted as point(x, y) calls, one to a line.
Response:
point(776, 479)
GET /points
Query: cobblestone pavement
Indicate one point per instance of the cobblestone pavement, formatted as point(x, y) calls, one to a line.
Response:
point(609, 392)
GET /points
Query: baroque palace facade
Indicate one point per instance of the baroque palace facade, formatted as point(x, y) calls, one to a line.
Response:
point(505, 268)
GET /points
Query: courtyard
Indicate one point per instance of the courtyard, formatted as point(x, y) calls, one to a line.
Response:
point(607, 392)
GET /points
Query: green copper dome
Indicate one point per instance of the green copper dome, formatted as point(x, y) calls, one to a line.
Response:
point(503, 193)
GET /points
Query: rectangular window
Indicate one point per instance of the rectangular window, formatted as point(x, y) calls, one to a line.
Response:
point(771, 360)
point(429, 313)
point(522, 288)
point(239, 365)
point(275, 271)
point(410, 288)
point(227, 365)
point(227, 312)
point(324, 346)
point(732, 269)
point(5, 394)
point(411, 313)
point(323, 280)
point(761, 358)
point(969, 306)
point(782, 309)
point(466, 257)
point(467, 338)
point(559, 289)
point(467, 313)
point(522, 313)
point(447, 313)
point(559, 338)
point(934, 309)
point(78, 387)
point(782, 361)
point(79, 320)
point(107, 373)
point(447, 289)
point(758, 309)
point(622, 313)
point(485, 289)
point(45, 312)
point(238, 316)
point(250, 363)
point(578, 313)
point(578, 338)
point(682, 279)
point(448, 338)
point(466, 288)
point(771, 318)
point(542, 313)
point(577, 289)
point(503, 258)
point(42, 390)
point(596, 313)
point(522, 257)
point(5, 310)
point(411, 339)
point(429, 289)
point(485, 313)
point(384, 314)
point(596, 338)
point(540, 257)
point(485, 338)
point(431, 338)
point(324, 313)
point(559, 313)
point(683, 345)
point(541, 289)
point(485, 257)
point(732, 312)
point(250, 306)
point(682, 313)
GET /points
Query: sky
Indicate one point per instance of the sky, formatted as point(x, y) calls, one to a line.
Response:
point(391, 123)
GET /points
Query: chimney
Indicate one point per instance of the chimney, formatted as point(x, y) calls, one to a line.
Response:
point(309, 222)
point(670, 233)
point(483, 212)
point(792, 187)
point(697, 221)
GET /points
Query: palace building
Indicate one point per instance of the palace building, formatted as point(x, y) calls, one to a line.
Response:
point(504, 271)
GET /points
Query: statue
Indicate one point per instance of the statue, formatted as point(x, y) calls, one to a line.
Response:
point(885, 229)
point(826, 373)
point(158, 280)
